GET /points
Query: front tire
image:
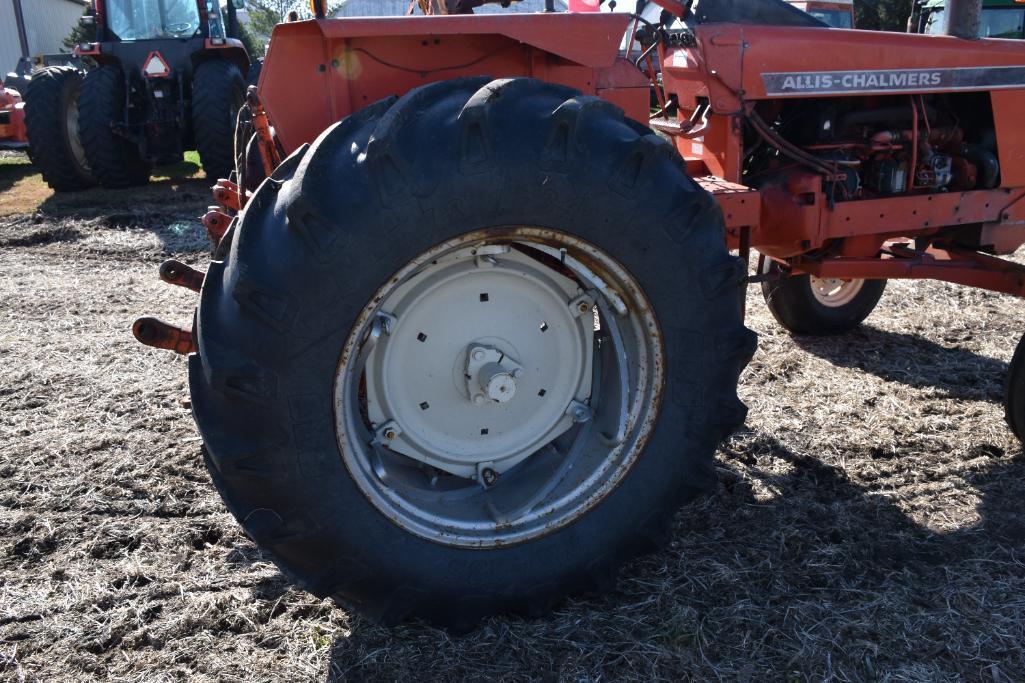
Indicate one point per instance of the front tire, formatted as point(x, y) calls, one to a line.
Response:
point(372, 242)
point(815, 306)
point(114, 159)
point(51, 117)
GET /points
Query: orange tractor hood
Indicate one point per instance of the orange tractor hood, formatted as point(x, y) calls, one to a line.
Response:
point(317, 72)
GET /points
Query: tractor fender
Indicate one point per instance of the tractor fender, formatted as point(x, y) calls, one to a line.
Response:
point(335, 67)
point(223, 48)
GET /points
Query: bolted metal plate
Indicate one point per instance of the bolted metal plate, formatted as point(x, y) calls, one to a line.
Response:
point(532, 329)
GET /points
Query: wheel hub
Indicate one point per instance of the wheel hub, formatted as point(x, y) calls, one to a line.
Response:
point(490, 375)
point(487, 358)
point(835, 292)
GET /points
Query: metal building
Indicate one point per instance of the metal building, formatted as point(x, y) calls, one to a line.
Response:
point(46, 24)
point(397, 8)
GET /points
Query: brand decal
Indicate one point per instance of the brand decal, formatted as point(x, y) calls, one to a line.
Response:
point(890, 80)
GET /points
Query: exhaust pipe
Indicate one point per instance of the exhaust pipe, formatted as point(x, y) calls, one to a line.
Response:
point(963, 18)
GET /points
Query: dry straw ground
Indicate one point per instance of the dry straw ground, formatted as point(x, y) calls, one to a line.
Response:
point(866, 524)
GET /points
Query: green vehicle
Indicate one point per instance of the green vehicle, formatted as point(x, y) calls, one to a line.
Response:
point(1000, 18)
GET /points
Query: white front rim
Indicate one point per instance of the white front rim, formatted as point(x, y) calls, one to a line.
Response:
point(835, 292)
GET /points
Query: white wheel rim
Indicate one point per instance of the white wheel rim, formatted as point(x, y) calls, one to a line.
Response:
point(835, 292)
point(585, 389)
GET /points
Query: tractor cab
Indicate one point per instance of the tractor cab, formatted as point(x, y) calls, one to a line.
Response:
point(836, 14)
point(127, 20)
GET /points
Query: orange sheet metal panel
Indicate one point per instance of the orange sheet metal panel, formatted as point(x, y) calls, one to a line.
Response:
point(733, 60)
point(1009, 119)
point(318, 72)
point(916, 212)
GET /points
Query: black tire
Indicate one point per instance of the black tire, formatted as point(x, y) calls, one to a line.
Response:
point(51, 106)
point(218, 91)
point(255, 68)
point(1014, 392)
point(276, 311)
point(794, 306)
point(114, 160)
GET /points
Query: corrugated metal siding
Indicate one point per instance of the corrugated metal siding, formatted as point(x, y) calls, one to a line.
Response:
point(395, 8)
point(47, 23)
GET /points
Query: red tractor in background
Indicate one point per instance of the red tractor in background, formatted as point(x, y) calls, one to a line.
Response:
point(476, 335)
point(169, 76)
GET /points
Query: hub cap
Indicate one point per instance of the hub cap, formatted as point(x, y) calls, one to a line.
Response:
point(483, 357)
point(494, 391)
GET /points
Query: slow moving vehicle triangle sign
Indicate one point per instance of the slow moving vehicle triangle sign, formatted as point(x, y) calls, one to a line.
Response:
point(155, 66)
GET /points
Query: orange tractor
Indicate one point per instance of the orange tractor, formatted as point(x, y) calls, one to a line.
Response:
point(12, 120)
point(476, 335)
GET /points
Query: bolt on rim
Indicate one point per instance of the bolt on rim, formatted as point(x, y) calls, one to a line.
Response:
point(495, 390)
point(835, 292)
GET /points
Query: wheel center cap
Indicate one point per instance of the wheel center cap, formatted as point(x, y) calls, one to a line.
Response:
point(484, 356)
point(498, 384)
point(490, 375)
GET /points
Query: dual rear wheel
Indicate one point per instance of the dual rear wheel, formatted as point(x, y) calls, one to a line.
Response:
point(51, 117)
point(117, 157)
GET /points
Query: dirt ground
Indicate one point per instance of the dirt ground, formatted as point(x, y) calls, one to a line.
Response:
point(867, 523)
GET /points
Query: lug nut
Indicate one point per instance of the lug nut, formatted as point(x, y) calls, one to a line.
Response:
point(478, 399)
point(489, 476)
point(390, 434)
point(583, 307)
point(478, 354)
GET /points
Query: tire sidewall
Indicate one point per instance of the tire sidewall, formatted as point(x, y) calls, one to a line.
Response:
point(675, 265)
point(793, 303)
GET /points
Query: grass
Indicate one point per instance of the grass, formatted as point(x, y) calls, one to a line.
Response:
point(23, 190)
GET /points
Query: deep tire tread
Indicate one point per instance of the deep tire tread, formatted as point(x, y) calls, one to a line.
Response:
point(380, 145)
point(114, 160)
point(49, 149)
point(217, 90)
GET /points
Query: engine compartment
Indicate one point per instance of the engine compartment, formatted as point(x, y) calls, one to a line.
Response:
point(872, 147)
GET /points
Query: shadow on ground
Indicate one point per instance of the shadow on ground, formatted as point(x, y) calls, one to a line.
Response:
point(912, 360)
point(11, 174)
point(170, 207)
point(795, 565)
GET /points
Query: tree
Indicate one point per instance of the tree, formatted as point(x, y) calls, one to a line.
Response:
point(80, 33)
point(882, 15)
point(265, 14)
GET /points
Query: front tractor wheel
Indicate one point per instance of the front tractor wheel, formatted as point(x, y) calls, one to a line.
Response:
point(469, 352)
point(818, 306)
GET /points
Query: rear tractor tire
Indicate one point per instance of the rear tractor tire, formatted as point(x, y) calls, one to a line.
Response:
point(818, 306)
point(51, 117)
point(115, 160)
point(218, 92)
point(469, 352)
